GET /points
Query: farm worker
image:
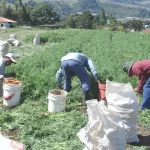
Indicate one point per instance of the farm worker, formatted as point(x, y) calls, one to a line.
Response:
point(74, 64)
point(141, 69)
point(6, 61)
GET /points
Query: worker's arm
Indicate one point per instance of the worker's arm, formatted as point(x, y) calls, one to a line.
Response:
point(11, 74)
point(142, 81)
point(90, 67)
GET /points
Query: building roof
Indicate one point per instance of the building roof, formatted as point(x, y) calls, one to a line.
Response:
point(6, 20)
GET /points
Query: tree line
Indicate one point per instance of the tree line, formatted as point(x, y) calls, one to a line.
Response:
point(44, 13)
point(41, 13)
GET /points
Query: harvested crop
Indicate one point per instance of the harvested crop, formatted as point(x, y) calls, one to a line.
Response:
point(11, 81)
point(55, 92)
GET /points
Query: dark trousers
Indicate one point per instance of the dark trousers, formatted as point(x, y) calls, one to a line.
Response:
point(146, 96)
point(73, 67)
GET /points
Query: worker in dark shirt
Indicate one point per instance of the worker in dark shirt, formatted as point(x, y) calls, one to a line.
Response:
point(141, 69)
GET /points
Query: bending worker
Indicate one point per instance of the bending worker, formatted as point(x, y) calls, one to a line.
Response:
point(142, 70)
point(76, 64)
point(6, 61)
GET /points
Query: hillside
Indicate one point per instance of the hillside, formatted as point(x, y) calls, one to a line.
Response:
point(120, 8)
point(141, 3)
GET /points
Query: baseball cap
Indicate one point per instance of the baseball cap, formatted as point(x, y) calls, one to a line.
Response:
point(11, 56)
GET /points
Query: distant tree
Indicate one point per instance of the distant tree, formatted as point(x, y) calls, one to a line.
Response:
point(136, 25)
point(112, 19)
point(20, 3)
point(5, 10)
point(103, 18)
point(95, 22)
point(25, 15)
point(112, 22)
point(43, 13)
point(21, 13)
point(9, 12)
point(85, 20)
point(16, 6)
point(72, 21)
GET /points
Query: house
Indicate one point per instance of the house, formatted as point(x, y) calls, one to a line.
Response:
point(6, 23)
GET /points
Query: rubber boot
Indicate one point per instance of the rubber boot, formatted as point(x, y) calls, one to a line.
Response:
point(85, 97)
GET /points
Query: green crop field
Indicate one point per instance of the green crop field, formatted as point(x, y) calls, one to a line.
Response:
point(30, 122)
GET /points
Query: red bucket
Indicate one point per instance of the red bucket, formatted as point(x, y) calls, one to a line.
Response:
point(101, 92)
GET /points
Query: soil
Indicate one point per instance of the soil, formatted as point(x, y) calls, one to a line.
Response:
point(11, 134)
point(146, 31)
point(82, 109)
point(144, 137)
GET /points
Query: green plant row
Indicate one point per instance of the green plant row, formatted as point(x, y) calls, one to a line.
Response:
point(37, 68)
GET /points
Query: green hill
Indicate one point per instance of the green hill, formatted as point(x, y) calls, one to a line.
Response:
point(120, 8)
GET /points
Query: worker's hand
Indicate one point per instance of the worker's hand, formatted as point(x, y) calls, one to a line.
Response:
point(135, 90)
point(60, 87)
point(97, 81)
point(8, 97)
point(4, 79)
point(13, 74)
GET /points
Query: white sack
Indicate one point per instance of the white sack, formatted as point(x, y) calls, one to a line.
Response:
point(7, 144)
point(10, 41)
point(4, 47)
point(13, 36)
point(122, 100)
point(16, 43)
point(36, 40)
point(104, 131)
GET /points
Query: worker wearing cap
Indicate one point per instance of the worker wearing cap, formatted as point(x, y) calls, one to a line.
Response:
point(76, 64)
point(6, 61)
point(142, 70)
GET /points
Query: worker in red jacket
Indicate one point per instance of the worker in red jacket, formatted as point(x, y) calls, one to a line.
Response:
point(141, 69)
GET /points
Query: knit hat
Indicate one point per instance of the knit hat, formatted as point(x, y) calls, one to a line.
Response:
point(127, 66)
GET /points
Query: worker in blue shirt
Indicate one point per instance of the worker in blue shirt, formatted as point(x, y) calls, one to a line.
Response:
point(76, 64)
point(4, 62)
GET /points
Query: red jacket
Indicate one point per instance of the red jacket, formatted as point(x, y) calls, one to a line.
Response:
point(142, 70)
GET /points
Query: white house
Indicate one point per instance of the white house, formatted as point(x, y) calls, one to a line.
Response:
point(5, 23)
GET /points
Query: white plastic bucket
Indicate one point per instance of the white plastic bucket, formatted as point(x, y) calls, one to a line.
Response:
point(11, 89)
point(57, 100)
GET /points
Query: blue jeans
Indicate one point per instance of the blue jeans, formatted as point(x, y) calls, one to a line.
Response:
point(146, 96)
point(71, 68)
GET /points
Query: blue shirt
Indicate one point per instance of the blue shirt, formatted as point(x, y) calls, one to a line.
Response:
point(83, 59)
point(2, 68)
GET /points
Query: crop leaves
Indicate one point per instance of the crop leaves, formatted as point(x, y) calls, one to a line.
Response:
point(36, 68)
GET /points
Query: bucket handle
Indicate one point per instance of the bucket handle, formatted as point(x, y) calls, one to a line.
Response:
point(8, 97)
